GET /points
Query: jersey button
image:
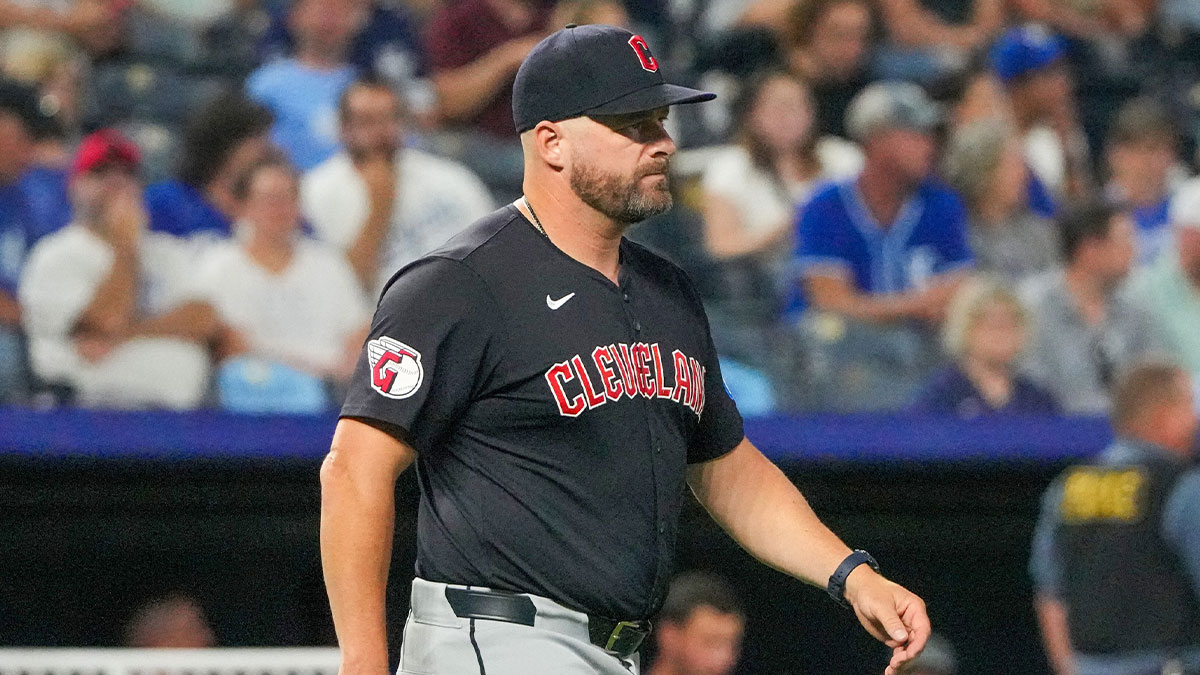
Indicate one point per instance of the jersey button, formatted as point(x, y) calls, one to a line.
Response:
point(637, 326)
point(626, 296)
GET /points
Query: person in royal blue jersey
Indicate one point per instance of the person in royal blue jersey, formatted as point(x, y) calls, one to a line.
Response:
point(27, 212)
point(556, 387)
point(880, 255)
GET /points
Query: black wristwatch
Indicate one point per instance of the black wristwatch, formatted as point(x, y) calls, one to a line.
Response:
point(837, 582)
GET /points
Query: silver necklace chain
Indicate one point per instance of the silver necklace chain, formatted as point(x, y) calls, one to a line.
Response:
point(537, 224)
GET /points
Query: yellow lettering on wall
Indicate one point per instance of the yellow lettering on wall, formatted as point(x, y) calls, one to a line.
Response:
point(1094, 494)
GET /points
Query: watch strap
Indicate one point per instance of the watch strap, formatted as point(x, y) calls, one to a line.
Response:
point(837, 581)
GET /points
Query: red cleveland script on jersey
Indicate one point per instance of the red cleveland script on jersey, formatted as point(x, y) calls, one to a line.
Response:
point(625, 370)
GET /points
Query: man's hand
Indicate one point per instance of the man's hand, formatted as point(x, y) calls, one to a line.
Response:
point(891, 614)
point(379, 175)
point(123, 219)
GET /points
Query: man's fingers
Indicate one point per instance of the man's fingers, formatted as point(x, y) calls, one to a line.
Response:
point(895, 627)
point(872, 626)
point(917, 620)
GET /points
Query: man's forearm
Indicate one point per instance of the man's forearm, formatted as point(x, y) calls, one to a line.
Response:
point(357, 518)
point(112, 305)
point(190, 321)
point(761, 509)
point(10, 310)
point(1052, 617)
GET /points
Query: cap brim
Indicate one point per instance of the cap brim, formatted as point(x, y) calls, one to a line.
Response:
point(656, 96)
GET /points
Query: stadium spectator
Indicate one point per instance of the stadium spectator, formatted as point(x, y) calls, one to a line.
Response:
point(1116, 553)
point(1030, 61)
point(881, 255)
point(830, 48)
point(96, 25)
point(475, 48)
point(1142, 151)
point(302, 91)
point(889, 244)
point(294, 305)
point(984, 163)
point(109, 308)
point(984, 333)
point(1090, 19)
point(1085, 328)
point(383, 204)
point(220, 140)
point(699, 629)
point(27, 213)
point(389, 47)
point(174, 622)
point(927, 39)
point(752, 188)
point(1170, 287)
point(750, 192)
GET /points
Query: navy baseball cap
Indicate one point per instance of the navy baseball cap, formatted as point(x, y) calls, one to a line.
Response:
point(1025, 49)
point(592, 70)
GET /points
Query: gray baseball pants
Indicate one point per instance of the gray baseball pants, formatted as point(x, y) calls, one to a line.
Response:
point(436, 642)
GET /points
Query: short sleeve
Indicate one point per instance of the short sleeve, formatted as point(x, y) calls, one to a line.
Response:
point(1045, 563)
point(820, 247)
point(1180, 516)
point(58, 284)
point(721, 428)
point(426, 353)
point(953, 249)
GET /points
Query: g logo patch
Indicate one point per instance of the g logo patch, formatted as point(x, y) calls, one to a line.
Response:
point(396, 370)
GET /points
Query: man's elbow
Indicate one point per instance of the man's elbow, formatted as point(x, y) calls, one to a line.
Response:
point(334, 472)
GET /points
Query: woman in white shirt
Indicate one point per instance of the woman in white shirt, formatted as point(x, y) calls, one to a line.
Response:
point(750, 194)
point(751, 189)
point(294, 302)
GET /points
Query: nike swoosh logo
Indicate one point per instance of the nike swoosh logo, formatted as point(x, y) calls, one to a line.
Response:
point(555, 304)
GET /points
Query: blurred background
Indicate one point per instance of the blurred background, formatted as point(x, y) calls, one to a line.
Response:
point(930, 236)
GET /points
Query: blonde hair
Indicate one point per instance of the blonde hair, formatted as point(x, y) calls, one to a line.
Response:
point(976, 296)
point(974, 154)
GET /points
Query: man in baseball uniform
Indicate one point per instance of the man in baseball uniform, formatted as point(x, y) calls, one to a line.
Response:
point(557, 388)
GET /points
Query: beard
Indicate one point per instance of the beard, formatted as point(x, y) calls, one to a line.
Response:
point(624, 201)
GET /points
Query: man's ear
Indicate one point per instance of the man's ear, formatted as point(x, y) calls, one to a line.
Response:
point(550, 143)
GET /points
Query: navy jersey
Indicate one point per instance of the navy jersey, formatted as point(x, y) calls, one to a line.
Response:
point(553, 413)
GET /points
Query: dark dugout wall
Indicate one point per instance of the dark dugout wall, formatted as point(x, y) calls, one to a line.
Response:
point(99, 513)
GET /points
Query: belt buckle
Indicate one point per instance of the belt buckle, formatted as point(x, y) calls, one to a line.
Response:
point(626, 637)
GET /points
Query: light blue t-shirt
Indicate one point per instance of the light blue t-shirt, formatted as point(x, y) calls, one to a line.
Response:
point(304, 102)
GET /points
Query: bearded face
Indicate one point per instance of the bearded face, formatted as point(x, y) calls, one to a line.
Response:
point(625, 199)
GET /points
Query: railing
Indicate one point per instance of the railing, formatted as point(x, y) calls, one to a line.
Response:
point(240, 661)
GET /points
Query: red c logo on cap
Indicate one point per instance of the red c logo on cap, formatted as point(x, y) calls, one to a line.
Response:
point(642, 50)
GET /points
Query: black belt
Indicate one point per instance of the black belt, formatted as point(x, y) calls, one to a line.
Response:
point(620, 637)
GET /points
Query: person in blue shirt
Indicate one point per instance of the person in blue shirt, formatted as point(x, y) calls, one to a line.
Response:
point(881, 255)
point(223, 138)
point(388, 46)
point(985, 331)
point(26, 214)
point(1142, 155)
point(1116, 554)
point(302, 90)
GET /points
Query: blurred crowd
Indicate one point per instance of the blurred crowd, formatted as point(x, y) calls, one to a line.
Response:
point(949, 206)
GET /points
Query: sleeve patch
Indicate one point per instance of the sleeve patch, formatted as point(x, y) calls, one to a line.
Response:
point(396, 370)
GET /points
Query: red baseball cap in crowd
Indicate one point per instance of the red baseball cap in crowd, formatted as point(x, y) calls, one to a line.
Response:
point(107, 146)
